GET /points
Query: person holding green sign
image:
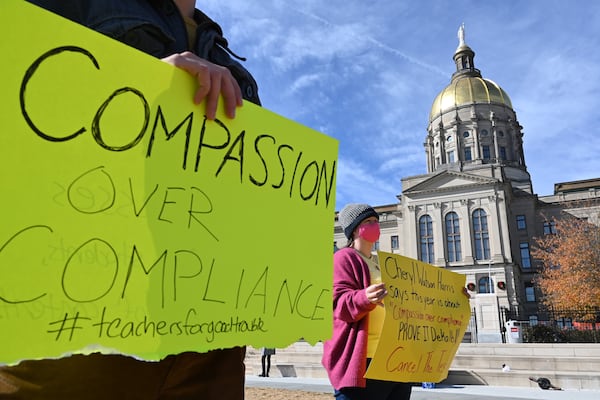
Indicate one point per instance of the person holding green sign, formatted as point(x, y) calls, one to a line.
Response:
point(176, 32)
point(358, 313)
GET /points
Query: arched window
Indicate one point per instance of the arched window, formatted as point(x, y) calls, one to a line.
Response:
point(453, 237)
point(426, 238)
point(481, 237)
point(485, 285)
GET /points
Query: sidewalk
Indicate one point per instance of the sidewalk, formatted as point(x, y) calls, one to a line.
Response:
point(459, 392)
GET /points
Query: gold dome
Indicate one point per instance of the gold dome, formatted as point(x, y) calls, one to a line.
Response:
point(468, 90)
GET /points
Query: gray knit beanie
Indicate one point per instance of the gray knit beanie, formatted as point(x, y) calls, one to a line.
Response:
point(353, 214)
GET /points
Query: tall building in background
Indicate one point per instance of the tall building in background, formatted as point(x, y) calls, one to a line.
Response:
point(474, 211)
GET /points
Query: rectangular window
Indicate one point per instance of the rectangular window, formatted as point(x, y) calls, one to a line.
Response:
point(503, 153)
point(549, 228)
point(480, 235)
point(485, 285)
point(525, 256)
point(426, 238)
point(564, 323)
point(468, 156)
point(451, 156)
point(529, 292)
point(521, 223)
point(486, 152)
point(453, 237)
point(395, 243)
point(376, 246)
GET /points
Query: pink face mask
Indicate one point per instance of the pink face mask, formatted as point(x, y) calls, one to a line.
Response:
point(370, 232)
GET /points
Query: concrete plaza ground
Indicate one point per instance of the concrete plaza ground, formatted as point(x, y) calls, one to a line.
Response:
point(458, 392)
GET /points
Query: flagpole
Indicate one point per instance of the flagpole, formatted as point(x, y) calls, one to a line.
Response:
point(490, 276)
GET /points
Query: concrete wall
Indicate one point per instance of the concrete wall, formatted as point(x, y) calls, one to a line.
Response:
point(574, 366)
point(570, 366)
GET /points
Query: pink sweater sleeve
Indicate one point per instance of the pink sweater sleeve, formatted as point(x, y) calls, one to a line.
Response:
point(344, 355)
point(350, 280)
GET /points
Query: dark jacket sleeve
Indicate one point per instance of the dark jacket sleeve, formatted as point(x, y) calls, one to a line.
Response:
point(71, 9)
point(156, 28)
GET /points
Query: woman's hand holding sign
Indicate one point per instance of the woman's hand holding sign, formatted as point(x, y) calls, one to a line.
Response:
point(376, 293)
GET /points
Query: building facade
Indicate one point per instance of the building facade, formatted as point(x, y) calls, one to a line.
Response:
point(474, 211)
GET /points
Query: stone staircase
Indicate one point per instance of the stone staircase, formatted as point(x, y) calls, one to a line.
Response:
point(572, 366)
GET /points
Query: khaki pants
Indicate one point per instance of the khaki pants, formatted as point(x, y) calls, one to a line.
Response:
point(215, 375)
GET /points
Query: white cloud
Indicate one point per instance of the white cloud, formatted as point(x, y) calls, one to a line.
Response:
point(366, 72)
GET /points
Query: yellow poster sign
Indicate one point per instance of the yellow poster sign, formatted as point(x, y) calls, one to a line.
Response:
point(426, 315)
point(130, 223)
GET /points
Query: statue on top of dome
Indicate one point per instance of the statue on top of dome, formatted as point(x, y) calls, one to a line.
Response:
point(461, 35)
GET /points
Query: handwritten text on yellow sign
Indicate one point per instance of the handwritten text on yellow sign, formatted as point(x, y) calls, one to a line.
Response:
point(425, 319)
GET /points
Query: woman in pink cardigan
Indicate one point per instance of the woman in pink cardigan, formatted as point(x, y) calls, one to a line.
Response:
point(358, 312)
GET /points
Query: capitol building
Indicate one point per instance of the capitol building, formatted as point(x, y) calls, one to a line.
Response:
point(474, 211)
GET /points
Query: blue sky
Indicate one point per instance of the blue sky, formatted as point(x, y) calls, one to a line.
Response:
point(366, 72)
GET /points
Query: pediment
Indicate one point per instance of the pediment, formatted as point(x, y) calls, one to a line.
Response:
point(449, 181)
